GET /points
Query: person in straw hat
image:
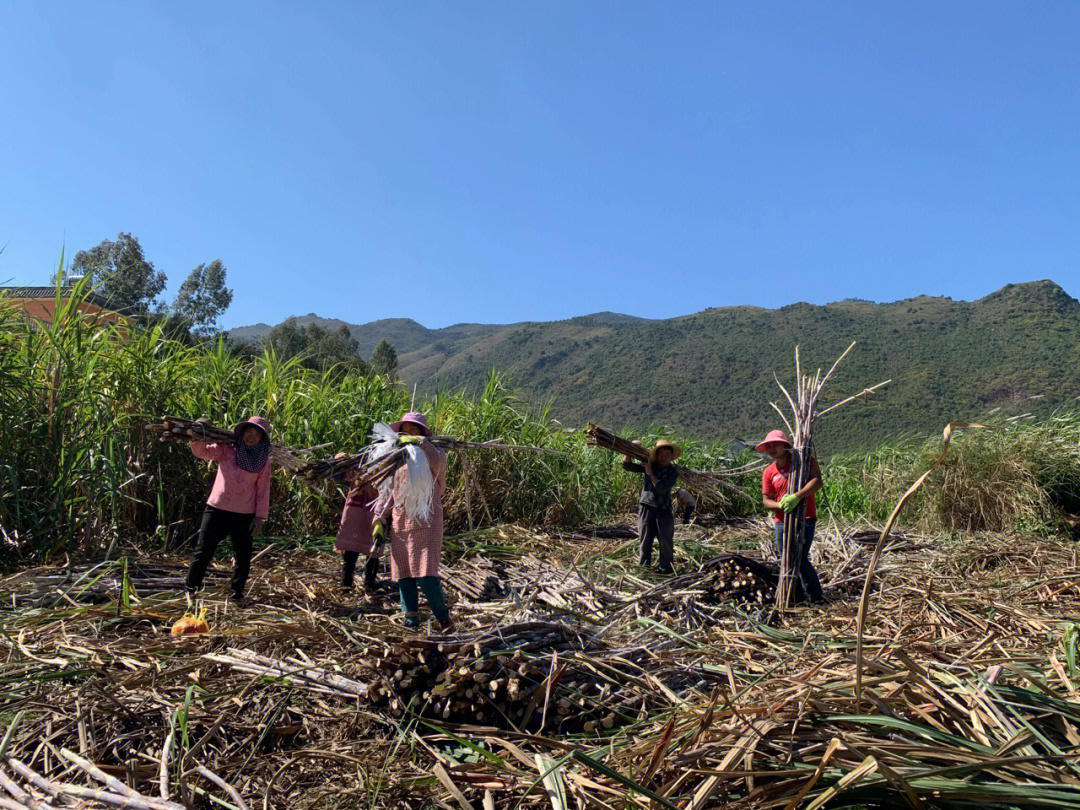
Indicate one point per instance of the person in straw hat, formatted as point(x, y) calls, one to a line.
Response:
point(775, 496)
point(415, 543)
point(655, 519)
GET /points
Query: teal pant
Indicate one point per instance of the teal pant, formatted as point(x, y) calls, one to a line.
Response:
point(410, 598)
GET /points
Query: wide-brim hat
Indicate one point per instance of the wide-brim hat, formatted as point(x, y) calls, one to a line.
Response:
point(774, 437)
point(413, 417)
point(676, 451)
point(253, 421)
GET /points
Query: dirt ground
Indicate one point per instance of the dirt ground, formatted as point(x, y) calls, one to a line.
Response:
point(573, 677)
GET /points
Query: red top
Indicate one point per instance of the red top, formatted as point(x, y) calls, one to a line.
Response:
point(774, 487)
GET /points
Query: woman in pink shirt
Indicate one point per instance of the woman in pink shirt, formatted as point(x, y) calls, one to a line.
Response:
point(238, 503)
point(415, 543)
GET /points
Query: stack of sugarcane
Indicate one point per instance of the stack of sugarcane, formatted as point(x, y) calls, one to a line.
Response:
point(702, 484)
point(737, 578)
point(178, 429)
point(703, 598)
point(529, 674)
point(804, 408)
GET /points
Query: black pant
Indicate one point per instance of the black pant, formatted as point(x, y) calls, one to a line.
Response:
point(216, 523)
point(348, 567)
point(654, 523)
point(807, 579)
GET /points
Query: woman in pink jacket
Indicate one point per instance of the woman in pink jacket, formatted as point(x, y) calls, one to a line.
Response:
point(238, 503)
point(415, 544)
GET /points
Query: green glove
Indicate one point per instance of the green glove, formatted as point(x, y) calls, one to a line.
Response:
point(379, 532)
point(406, 439)
point(789, 503)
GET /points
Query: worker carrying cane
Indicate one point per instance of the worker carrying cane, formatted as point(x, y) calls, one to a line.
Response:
point(655, 519)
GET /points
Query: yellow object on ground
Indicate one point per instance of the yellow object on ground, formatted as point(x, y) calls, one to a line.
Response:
point(190, 624)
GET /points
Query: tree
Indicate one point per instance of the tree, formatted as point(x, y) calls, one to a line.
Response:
point(337, 348)
point(384, 358)
point(320, 348)
point(203, 297)
point(120, 273)
point(287, 338)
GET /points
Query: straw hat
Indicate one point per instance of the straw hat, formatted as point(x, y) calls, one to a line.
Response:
point(774, 437)
point(676, 451)
point(415, 418)
point(256, 422)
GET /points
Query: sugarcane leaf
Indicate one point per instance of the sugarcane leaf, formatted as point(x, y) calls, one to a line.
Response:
point(626, 782)
point(663, 628)
point(125, 588)
point(10, 734)
point(1071, 634)
point(476, 749)
point(911, 728)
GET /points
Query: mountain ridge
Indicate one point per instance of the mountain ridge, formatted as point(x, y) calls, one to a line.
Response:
point(711, 372)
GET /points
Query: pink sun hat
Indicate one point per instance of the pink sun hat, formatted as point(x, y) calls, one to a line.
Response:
point(774, 437)
point(415, 418)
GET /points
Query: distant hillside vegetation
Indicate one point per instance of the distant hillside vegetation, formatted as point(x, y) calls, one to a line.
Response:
point(711, 373)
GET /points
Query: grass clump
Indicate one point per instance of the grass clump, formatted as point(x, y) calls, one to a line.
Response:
point(1004, 477)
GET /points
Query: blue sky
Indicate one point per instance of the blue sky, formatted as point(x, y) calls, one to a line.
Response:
point(499, 162)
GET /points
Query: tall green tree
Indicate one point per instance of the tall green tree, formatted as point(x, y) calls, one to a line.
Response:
point(120, 272)
point(203, 298)
point(384, 358)
point(320, 349)
point(288, 339)
point(337, 348)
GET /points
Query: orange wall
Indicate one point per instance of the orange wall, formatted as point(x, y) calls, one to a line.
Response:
point(43, 309)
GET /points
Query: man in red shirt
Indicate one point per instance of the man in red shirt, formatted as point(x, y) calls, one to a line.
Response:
point(775, 496)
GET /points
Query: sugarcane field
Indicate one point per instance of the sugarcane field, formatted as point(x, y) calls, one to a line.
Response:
point(540, 406)
point(922, 661)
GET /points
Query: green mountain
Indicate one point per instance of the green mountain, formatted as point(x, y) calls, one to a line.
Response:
point(711, 373)
point(406, 335)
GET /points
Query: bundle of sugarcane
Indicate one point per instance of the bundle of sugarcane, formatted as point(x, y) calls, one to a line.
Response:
point(498, 673)
point(320, 469)
point(703, 484)
point(456, 676)
point(804, 408)
point(533, 674)
point(521, 675)
point(703, 598)
point(375, 472)
point(179, 429)
point(733, 577)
